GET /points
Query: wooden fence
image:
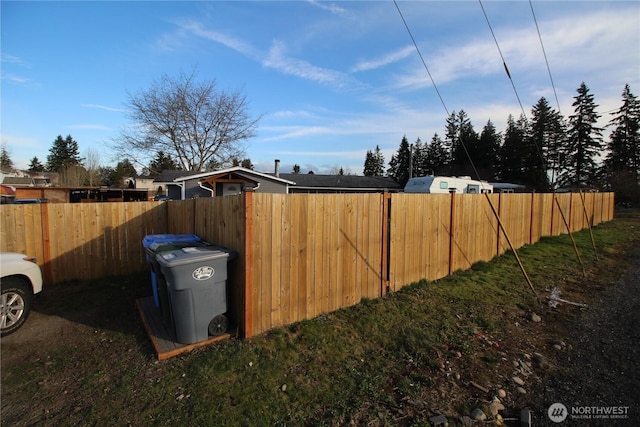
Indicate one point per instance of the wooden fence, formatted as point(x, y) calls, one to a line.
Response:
point(300, 255)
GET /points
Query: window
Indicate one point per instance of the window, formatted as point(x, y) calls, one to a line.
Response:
point(444, 185)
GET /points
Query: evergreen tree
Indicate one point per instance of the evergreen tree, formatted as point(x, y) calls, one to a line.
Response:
point(244, 163)
point(64, 154)
point(399, 163)
point(584, 142)
point(124, 169)
point(420, 164)
point(35, 165)
point(465, 140)
point(106, 175)
point(545, 140)
point(622, 165)
point(374, 163)
point(451, 135)
point(161, 163)
point(296, 169)
point(486, 157)
point(436, 157)
point(511, 160)
point(6, 164)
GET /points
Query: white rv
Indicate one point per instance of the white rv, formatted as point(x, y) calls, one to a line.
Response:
point(447, 184)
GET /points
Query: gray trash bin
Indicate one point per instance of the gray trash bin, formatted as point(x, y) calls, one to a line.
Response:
point(196, 280)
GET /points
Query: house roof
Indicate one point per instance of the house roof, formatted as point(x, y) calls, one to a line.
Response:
point(172, 175)
point(300, 181)
point(342, 181)
point(239, 169)
point(15, 180)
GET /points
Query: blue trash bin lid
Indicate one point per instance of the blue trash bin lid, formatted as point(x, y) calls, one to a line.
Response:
point(150, 239)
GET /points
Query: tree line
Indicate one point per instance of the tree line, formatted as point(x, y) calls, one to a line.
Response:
point(543, 153)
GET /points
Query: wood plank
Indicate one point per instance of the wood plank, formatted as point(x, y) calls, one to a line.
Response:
point(163, 339)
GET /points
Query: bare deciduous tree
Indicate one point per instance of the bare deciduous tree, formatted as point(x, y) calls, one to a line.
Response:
point(192, 121)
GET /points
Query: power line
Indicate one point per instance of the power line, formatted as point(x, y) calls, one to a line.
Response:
point(503, 60)
point(545, 57)
point(421, 58)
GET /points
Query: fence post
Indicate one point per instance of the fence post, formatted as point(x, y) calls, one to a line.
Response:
point(247, 294)
point(386, 201)
point(46, 243)
point(451, 231)
point(533, 200)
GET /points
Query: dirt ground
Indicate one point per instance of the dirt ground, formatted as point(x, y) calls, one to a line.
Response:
point(586, 359)
point(600, 368)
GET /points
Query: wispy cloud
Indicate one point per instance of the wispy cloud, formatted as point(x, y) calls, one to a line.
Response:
point(387, 59)
point(12, 78)
point(276, 57)
point(104, 107)
point(331, 7)
point(279, 60)
point(198, 30)
point(570, 45)
point(12, 59)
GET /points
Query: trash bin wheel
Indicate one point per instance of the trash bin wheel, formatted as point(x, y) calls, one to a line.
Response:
point(218, 325)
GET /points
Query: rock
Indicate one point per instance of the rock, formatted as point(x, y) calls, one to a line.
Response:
point(501, 393)
point(557, 347)
point(517, 380)
point(539, 360)
point(535, 318)
point(478, 415)
point(466, 421)
point(496, 407)
point(284, 387)
point(439, 420)
point(521, 390)
point(457, 376)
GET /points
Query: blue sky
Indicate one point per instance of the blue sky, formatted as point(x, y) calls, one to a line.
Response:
point(331, 79)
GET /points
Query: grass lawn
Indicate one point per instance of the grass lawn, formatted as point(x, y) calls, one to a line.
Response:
point(84, 357)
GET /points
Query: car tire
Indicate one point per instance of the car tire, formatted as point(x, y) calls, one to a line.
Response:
point(15, 304)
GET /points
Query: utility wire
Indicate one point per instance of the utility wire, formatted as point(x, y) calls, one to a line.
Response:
point(503, 60)
point(421, 58)
point(475, 170)
point(538, 149)
point(545, 57)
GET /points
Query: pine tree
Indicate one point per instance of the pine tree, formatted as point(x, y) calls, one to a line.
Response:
point(124, 169)
point(6, 164)
point(420, 166)
point(511, 159)
point(437, 156)
point(244, 163)
point(622, 165)
point(466, 141)
point(545, 139)
point(35, 165)
point(486, 157)
point(374, 163)
point(64, 155)
point(161, 163)
point(584, 142)
point(399, 163)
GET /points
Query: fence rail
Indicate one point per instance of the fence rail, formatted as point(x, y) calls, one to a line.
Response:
point(300, 255)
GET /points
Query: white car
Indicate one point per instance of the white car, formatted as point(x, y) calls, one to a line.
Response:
point(20, 280)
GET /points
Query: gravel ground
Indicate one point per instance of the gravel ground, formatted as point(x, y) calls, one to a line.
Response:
point(598, 373)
